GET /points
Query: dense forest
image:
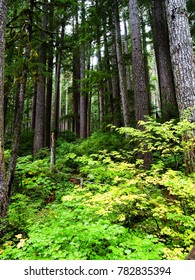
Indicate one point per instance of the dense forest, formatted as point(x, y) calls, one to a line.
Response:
point(97, 129)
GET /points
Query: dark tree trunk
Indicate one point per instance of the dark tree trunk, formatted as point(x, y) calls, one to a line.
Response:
point(83, 94)
point(3, 189)
point(49, 80)
point(165, 75)
point(17, 131)
point(39, 137)
point(127, 53)
point(76, 78)
point(20, 106)
point(140, 89)
point(116, 111)
point(83, 99)
point(121, 68)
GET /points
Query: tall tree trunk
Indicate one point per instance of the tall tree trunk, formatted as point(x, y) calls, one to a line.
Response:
point(75, 85)
point(39, 137)
point(141, 95)
point(3, 189)
point(115, 88)
point(183, 65)
point(121, 69)
point(83, 94)
point(140, 89)
point(83, 98)
point(50, 78)
point(165, 75)
point(57, 81)
point(181, 54)
point(20, 105)
point(127, 54)
point(101, 88)
point(17, 130)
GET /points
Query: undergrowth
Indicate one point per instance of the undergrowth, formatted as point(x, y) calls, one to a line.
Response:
point(119, 211)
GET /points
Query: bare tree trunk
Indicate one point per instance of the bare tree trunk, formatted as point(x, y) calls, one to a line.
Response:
point(17, 131)
point(66, 108)
point(181, 54)
point(3, 189)
point(121, 69)
point(141, 95)
point(83, 94)
point(49, 90)
point(39, 137)
point(76, 78)
point(115, 88)
point(127, 54)
point(140, 89)
point(83, 99)
point(165, 75)
point(183, 66)
point(52, 151)
point(57, 81)
point(20, 107)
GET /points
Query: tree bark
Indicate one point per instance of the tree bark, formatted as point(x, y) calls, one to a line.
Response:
point(182, 59)
point(83, 94)
point(116, 111)
point(121, 69)
point(50, 67)
point(191, 255)
point(75, 80)
point(17, 130)
point(3, 189)
point(127, 53)
point(140, 89)
point(57, 81)
point(19, 106)
point(181, 55)
point(169, 107)
point(83, 99)
point(39, 137)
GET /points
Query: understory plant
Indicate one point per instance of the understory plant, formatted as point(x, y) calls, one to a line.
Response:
point(120, 211)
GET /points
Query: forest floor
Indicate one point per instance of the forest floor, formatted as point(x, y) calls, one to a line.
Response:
point(96, 204)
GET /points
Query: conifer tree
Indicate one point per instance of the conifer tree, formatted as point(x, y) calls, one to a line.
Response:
point(3, 189)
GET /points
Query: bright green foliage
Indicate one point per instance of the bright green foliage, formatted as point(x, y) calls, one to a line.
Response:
point(121, 211)
point(165, 141)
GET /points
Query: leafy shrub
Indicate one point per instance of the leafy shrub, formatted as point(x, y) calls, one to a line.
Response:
point(164, 141)
point(121, 211)
point(110, 141)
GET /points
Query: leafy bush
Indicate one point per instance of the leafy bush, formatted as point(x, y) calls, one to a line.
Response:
point(121, 211)
point(164, 141)
point(111, 141)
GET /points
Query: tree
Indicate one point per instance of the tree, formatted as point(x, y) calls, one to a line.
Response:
point(39, 136)
point(19, 107)
point(83, 94)
point(57, 78)
point(50, 66)
point(181, 54)
point(76, 76)
point(3, 189)
point(141, 96)
point(183, 65)
point(121, 68)
point(165, 75)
